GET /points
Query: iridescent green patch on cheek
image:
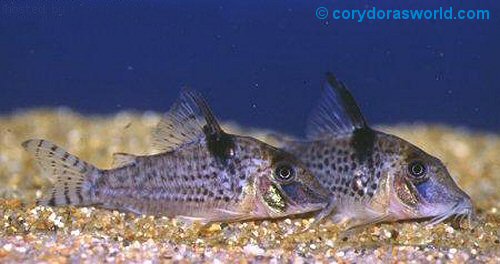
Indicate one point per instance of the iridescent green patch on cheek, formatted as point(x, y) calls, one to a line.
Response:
point(274, 198)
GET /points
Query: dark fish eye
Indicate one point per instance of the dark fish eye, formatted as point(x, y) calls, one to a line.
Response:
point(417, 169)
point(284, 172)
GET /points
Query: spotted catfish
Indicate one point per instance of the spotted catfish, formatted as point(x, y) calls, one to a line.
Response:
point(373, 176)
point(203, 174)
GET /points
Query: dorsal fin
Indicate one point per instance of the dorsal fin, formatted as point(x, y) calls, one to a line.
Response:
point(337, 112)
point(189, 119)
point(211, 126)
point(123, 159)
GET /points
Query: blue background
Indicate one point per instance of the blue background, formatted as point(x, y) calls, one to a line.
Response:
point(260, 63)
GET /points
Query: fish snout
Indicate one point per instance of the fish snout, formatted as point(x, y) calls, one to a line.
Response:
point(466, 207)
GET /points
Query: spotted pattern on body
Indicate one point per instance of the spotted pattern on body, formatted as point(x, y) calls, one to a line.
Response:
point(195, 179)
point(202, 173)
point(373, 176)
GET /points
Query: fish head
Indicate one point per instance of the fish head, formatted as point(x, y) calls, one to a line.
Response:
point(422, 187)
point(286, 187)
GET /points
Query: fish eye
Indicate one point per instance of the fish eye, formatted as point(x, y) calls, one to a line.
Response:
point(417, 169)
point(284, 172)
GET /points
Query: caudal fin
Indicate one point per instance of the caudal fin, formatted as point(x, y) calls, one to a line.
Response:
point(72, 177)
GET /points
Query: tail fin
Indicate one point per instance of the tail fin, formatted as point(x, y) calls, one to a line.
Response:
point(72, 177)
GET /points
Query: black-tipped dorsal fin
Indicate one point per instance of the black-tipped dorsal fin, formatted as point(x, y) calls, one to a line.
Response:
point(337, 112)
point(189, 119)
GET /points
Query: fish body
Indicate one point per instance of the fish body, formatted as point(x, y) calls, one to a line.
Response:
point(201, 174)
point(373, 176)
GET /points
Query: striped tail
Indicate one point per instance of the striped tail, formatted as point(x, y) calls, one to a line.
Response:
point(72, 177)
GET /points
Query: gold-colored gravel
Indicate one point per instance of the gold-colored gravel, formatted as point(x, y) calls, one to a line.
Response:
point(59, 235)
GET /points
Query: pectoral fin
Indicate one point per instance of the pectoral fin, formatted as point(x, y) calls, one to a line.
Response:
point(218, 215)
point(361, 225)
point(123, 159)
